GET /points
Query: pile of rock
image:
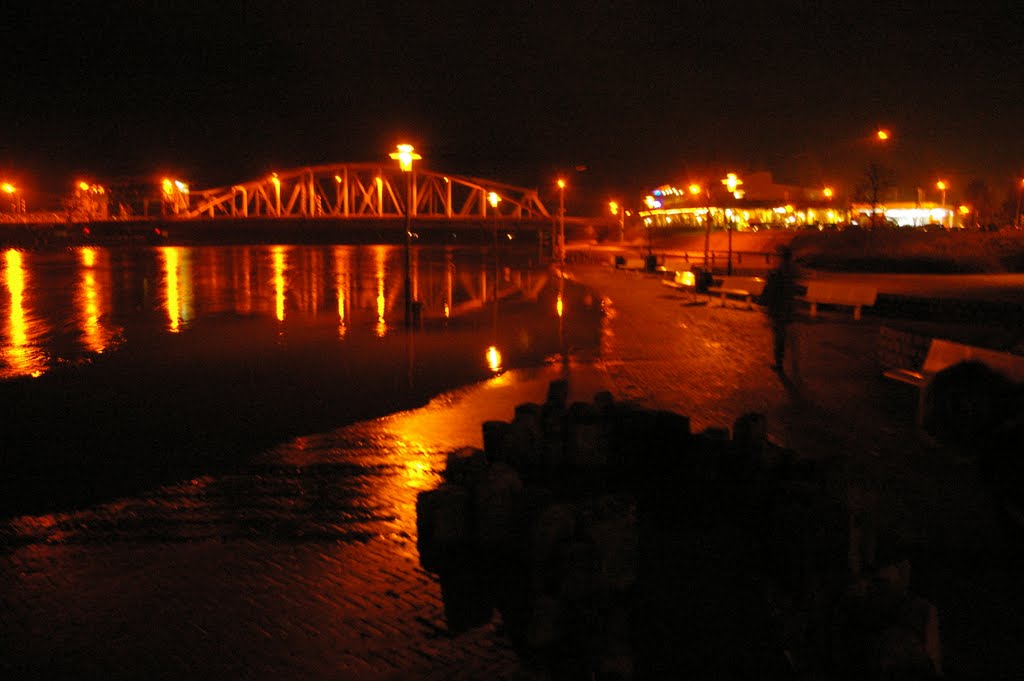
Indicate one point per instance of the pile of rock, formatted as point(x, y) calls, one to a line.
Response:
point(572, 521)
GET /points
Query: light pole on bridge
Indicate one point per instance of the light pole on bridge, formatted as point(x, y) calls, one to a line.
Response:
point(561, 221)
point(405, 155)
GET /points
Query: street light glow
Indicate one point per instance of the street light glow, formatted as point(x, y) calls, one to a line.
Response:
point(493, 199)
point(828, 192)
point(694, 189)
point(882, 135)
point(8, 188)
point(561, 183)
point(941, 186)
point(405, 155)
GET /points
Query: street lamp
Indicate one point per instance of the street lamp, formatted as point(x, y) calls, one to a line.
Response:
point(696, 190)
point(405, 155)
point(10, 190)
point(561, 221)
point(732, 183)
point(941, 186)
point(619, 211)
point(494, 200)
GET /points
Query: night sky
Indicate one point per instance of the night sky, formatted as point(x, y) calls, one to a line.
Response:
point(221, 92)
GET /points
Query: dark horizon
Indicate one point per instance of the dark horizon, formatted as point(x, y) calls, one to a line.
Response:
point(634, 96)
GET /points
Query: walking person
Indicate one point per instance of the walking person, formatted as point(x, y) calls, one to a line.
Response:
point(778, 298)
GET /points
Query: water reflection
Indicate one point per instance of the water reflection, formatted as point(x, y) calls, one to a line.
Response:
point(22, 354)
point(357, 290)
point(93, 299)
point(382, 326)
point(178, 291)
point(341, 283)
point(279, 271)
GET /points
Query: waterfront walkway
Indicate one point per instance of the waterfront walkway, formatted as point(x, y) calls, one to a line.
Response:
point(304, 565)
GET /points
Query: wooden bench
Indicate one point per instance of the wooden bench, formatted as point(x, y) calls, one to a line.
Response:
point(684, 280)
point(839, 293)
point(747, 288)
point(943, 354)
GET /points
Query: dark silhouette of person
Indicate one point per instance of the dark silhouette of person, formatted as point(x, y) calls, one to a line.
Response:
point(778, 298)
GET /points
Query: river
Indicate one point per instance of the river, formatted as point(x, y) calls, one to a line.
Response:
point(127, 367)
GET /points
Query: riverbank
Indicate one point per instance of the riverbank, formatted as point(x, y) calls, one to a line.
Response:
point(855, 250)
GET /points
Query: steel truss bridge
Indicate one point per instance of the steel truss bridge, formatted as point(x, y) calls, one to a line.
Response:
point(365, 191)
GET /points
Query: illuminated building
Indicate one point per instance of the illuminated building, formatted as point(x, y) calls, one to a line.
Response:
point(760, 204)
point(763, 204)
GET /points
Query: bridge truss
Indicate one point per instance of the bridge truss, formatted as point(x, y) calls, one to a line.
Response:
point(365, 191)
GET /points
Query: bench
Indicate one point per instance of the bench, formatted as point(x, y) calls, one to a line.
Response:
point(943, 354)
point(684, 280)
point(747, 288)
point(839, 293)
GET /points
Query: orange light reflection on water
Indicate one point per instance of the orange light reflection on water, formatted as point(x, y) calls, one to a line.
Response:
point(341, 280)
point(21, 355)
point(178, 294)
point(90, 302)
point(382, 325)
point(280, 267)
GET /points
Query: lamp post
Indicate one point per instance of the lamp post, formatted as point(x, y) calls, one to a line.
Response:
point(941, 186)
point(732, 183)
point(695, 190)
point(494, 200)
point(405, 155)
point(561, 222)
point(11, 191)
point(620, 212)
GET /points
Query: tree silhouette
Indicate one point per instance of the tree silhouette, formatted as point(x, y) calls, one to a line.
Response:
point(876, 179)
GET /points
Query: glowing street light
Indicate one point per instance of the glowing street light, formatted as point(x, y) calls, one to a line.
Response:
point(561, 221)
point(942, 186)
point(175, 194)
point(405, 155)
point(696, 190)
point(732, 183)
point(494, 200)
point(17, 205)
point(882, 135)
point(828, 193)
point(620, 211)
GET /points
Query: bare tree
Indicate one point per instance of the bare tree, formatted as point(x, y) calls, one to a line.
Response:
point(876, 179)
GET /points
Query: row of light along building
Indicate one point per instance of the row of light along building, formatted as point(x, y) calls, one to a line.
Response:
point(754, 202)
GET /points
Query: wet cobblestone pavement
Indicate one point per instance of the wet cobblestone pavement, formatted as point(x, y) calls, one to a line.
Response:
point(304, 565)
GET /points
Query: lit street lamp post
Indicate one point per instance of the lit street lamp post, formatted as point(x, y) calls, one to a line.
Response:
point(11, 192)
point(620, 212)
point(732, 183)
point(696, 189)
point(941, 186)
point(405, 156)
point(494, 200)
point(560, 257)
